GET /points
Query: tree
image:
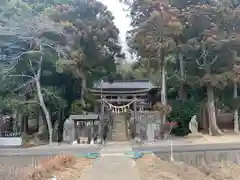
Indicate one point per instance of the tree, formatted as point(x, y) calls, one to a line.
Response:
point(35, 81)
point(211, 27)
point(155, 25)
point(93, 40)
point(203, 47)
point(230, 16)
point(25, 52)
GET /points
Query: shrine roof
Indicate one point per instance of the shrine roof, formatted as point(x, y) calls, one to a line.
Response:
point(84, 117)
point(120, 84)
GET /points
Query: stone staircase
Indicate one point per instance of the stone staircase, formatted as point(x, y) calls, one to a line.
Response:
point(119, 131)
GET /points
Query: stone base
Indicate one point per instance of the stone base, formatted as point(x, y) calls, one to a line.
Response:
point(10, 141)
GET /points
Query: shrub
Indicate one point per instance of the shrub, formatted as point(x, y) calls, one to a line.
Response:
point(182, 113)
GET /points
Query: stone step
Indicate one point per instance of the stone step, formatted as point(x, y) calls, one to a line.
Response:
point(119, 131)
point(119, 134)
point(118, 138)
point(122, 134)
point(119, 128)
point(119, 125)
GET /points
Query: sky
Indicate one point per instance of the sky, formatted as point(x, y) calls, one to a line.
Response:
point(121, 21)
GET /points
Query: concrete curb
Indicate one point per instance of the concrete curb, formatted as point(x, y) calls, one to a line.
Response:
point(190, 148)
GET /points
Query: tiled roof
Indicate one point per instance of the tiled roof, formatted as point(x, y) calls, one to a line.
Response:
point(133, 84)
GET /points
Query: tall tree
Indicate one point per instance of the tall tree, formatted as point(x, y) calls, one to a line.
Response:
point(155, 26)
point(26, 46)
point(210, 29)
point(93, 40)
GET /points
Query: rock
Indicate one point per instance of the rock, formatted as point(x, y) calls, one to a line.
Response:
point(193, 125)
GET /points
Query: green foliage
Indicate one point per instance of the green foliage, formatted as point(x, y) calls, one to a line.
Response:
point(76, 44)
point(197, 44)
point(76, 107)
point(182, 113)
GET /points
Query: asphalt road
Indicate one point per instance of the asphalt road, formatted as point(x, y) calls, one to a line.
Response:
point(19, 161)
point(76, 149)
point(21, 157)
point(49, 151)
point(27, 156)
point(189, 148)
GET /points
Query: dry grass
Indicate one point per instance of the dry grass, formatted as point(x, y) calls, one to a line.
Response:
point(75, 172)
point(46, 167)
point(222, 171)
point(13, 173)
point(43, 170)
point(152, 168)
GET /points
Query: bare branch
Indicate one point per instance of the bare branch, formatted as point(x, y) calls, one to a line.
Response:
point(214, 60)
point(38, 75)
point(21, 75)
point(53, 48)
point(202, 56)
point(50, 93)
point(18, 58)
point(30, 102)
point(198, 63)
point(31, 66)
point(23, 85)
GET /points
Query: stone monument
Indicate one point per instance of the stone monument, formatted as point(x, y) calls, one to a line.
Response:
point(193, 125)
point(69, 134)
point(151, 128)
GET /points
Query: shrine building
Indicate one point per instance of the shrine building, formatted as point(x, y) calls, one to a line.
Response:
point(123, 96)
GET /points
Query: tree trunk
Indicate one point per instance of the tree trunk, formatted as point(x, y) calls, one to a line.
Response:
point(45, 111)
point(83, 89)
point(163, 99)
point(15, 121)
point(236, 122)
point(42, 103)
point(80, 74)
point(213, 127)
point(182, 90)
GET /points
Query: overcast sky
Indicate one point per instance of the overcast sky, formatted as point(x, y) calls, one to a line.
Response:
point(121, 20)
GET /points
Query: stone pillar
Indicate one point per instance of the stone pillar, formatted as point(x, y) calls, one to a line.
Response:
point(92, 133)
point(135, 117)
point(69, 131)
point(151, 128)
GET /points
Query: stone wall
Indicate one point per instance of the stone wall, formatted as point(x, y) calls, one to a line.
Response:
point(147, 124)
